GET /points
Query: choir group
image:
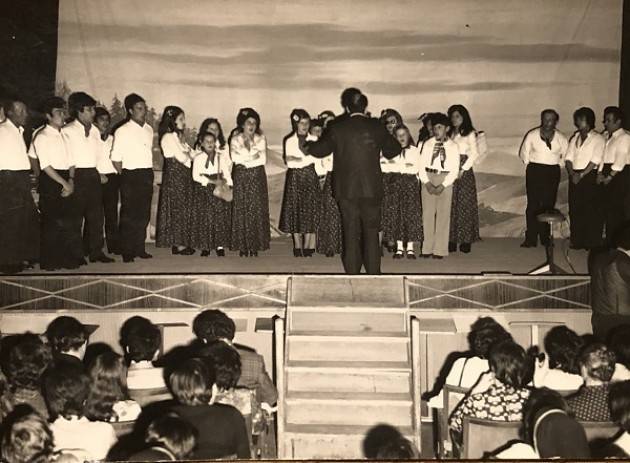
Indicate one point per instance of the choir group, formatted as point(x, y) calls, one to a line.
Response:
point(214, 194)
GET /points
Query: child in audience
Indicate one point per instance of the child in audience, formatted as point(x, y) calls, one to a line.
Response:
point(66, 388)
point(559, 369)
point(169, 438)
point(108, 399)
point(68, 339)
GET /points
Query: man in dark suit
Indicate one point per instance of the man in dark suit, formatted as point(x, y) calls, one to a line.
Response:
point(357, 142)
point(610, 285)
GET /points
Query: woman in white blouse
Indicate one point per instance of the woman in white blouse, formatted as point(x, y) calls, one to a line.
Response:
point(464, 208)
point(250, 207)
point(212, 215)
point(174, 218)
point(301, 198)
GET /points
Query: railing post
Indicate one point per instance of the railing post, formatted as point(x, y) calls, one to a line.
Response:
point(415, 374)
point(278, 325)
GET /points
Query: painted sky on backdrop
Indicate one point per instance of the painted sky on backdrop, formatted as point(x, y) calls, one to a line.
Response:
point(505, 59)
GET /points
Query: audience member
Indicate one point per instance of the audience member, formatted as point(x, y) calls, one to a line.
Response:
point(66, 388)
point(401, 449)
point(68, 339)
point(379, 437)
point(619, 343)
point(590, 403)
point(221, 428)
point(168, 438)
point(559, 369)
point(619, 401)
point(108, 399)
point(28, 440)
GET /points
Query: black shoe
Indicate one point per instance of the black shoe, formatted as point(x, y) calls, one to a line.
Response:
point(253, 253)
point(528, 244)
point(465, 247)
point(243, 253)
point(80, 262)
point(205, 253)
point(308, 252)
point(221, 252)
point(452, 247)
point(435, 256)
point(391, 248)
point(398, 255)
point(102, 258)
point(426, 256)
point(187, 251)
point(127, 258)
point(297, 252)
point(48, 268)
point(175, 250)
point(411, 255)
point(114, 251)
point(145, 255)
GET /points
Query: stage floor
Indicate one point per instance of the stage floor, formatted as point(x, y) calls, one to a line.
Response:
point(490, 255)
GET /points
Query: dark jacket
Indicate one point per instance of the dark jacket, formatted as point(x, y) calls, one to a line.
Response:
point(357, 142)
point(610, 283)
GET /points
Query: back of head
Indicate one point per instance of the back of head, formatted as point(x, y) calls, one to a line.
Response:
point(597, 362)
point(508, 361)
point(619, 401)
point(358, 104)
point(399, 449)
point(66, 334)
point(348, 95)
point(191, 383)
point(66, 388)
point(108, 377)
point(539, 401)
point(379, 436)
point(173, 433)
point(213, 325)
point(484, 333)
point(27, 360)
point(140, 339)
point(226, 362)
point(28, 440)
point(563, 346)
point(557, 435)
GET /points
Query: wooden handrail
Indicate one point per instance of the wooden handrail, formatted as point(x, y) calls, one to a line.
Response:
point(278, 325)
point(415, 375)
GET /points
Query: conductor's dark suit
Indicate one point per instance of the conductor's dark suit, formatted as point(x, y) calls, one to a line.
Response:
point(357, 142)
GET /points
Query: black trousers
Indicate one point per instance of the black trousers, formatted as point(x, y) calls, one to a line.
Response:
point(616, 202)
point(88, 200)
point(136, 192)
point(111, 197)
point(542, 182)
point(361, 222)
point(585, 212)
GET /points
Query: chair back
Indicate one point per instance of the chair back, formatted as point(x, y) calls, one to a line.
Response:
point(566, 393)
point(451, 397)
point(599, 429)
point(148, 396)
point(482, 436)
point(123, 427)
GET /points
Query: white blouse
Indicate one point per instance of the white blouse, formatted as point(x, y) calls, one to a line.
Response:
point(221, 161)
point(467, 146)
point(254, 156)
point(292, 149)
point(173, 147)
point(555, 379)
point(464, 373)
point(49, 147)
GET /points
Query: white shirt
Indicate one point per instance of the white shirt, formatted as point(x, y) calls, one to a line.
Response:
point(221, 161)
point(133, 146)
point(143, 375)
point(86, 151)
point(467, 146)
point(244, 156)
point(464, 373)
point(173, 147)
point(534, 149)
point(49, 146)
point(93, 437)
point(13, 154)
point(555, 379)
point(407, 162)
point(451, 163)
point(126, 410)
point(105, 165)
point(292, 149)
point(582, 153)
point(324, 165)
point(617, 150)
point(623, 442)
point(621, 373)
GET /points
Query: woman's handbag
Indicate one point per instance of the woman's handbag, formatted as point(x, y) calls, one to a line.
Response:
point(223, 190)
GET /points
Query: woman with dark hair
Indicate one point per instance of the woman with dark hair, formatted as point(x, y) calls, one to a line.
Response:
point(108, 399)
point(213, 126)
point(174, 207)
point(619, 400)
point(250, 207)
point(465, 208)
point(619, 342)
point(299, 214)
point(559, 368)
point(499, 394)
point(169, 438)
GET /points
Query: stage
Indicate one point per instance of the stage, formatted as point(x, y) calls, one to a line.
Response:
point(492, 255)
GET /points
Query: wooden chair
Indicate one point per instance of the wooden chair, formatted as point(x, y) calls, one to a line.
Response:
point(599, 429)
point(148, 396)
point(481, 436)
point(123, 427)
point(451, 396)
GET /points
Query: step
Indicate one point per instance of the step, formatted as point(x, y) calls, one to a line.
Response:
point(348, 412)
point(342, 380)
point(342, 291)
point(349, 395)
point(348, 321)
point(342, 348)
point(350, 365)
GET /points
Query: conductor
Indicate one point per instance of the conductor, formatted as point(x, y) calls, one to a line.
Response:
point(357, 142)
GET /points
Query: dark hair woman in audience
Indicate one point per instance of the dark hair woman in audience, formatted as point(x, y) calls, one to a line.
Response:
point(221, 428)
point(169, 438)
point(300, 201)
point(619, 343)
point(499, 394)
point(109, 398)
point(174, 211)
point(465, 207)
point(28, 439)
point(619, 401)
point(250, 207)
point(558, 368)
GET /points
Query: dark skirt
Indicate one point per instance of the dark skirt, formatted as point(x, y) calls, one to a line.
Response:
point(464, 208)
point(250, 209)
point(390, 193)
point(300, 202)
point(329, 238)
point(19, 229)
point(211, 224)
point(402, 211)
point(174, 206)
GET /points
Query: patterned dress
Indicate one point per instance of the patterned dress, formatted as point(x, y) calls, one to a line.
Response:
point(590, 403)
point(300, 202)
point(329, 237)
point(391, 193)
point(464, 208)
point(174, 205)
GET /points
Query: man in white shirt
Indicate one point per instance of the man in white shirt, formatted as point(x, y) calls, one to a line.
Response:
point(542, 151)
point(614, 173)
point(585, 152)
point(439, 166)
point(133, 158)
point(19, 221)
point(85, 149)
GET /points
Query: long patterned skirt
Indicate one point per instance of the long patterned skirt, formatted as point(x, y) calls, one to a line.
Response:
point(300, 202)
point(174, 206)
point(391, 187)
point(250, 209)
point(211, 224)
point(402, 212)
point(464, 208)
point(329, 238)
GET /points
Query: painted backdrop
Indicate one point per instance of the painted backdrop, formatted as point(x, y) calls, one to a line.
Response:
point(505, 60)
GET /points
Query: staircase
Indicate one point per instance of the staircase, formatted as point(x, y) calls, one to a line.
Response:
point(347, 366)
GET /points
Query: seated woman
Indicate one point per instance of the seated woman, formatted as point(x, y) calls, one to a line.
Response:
point(559, 369)
point(548, 431)
point(619, 400)
point(499, 394)
point(168, 438)
point(484, 333)
point(619, 343)
point(221, 428)
point(108, 399)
